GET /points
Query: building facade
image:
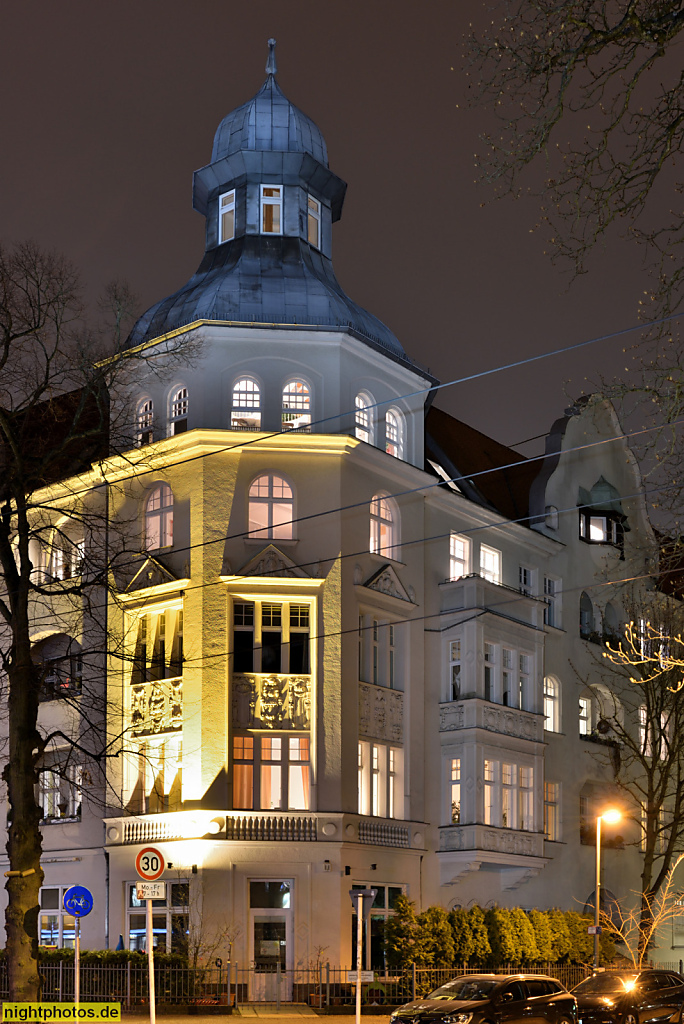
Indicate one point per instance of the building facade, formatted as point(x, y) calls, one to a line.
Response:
point(350, 640)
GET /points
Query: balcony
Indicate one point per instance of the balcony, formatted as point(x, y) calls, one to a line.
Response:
point(271, 701)
point(475, 591)
point(475, 713)
point(517, 855)
point(264, 826)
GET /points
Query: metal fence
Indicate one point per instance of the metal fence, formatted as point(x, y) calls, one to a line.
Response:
point(321, 986)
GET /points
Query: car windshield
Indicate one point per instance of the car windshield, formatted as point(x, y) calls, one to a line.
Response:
point(605, 985)
point(465, 988)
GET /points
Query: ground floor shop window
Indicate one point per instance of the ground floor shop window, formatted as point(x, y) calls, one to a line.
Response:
point(57, 928)
point(169, 919)
point(373, 944)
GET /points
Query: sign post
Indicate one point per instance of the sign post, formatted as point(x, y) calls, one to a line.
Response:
point(149, 864)
point(363, 900)
point(78, 901)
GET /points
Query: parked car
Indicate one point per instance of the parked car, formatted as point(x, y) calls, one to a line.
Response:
point(493, 999)
point(630, 997)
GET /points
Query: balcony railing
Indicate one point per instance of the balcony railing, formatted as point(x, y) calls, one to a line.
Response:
point(476, 713)
point(488, 838)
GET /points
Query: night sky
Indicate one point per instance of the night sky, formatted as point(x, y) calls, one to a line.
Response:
point(108, 108)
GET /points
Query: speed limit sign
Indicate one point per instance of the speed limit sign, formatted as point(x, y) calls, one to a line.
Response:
point(149, 863)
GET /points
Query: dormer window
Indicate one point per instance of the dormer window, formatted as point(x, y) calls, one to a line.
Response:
point(145, 422)
point(246, 411)
point(599, 527)
point(178, 419)
point(271, 209)
point(227, 216)
point(313, 222)
point(296, 406)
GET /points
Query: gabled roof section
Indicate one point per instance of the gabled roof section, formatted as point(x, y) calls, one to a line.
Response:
point(505, 476)
point(150, 574)
point(272, 562)
point(386, 581)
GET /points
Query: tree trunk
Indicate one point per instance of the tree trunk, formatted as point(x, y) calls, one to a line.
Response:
point(24, 844)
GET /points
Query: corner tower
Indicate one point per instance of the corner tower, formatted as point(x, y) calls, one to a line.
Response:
point(270, 200)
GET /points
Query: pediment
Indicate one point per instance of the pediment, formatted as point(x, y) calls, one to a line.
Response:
point(149, 573)
point(272, 562)
point(386, 581)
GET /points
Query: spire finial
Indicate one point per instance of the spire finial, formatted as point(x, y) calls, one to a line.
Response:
point(271, 67)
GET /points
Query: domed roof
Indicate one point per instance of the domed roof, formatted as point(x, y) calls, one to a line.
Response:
point(269, 122)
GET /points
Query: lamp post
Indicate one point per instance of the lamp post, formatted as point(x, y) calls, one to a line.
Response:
point(610, 817)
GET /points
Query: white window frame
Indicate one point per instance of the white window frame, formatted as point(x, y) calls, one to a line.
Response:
point(384, 527)
point(551, 704)
point(245, 400)
point(455, 812)
point(380, 779)
point(552, 811)
point(585, 716)
point(281, 496)
point(281, 763)
point(364, 417)
point(454, 681)
point(178, 410)
point(226, 206)
point(144, 422)
point(296, 408)
point(526, 580)
point(490, 563)
point(459, 556)
point(552, 601)
point(159, 518)
point(276, 202)
point(313, 220)
point(509, 794)
point(64, 926)
point(160, 908)
point(394, 433)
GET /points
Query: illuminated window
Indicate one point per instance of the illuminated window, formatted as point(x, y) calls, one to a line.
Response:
point(384, 534)
point(57, 928)
point(459, 556)
point(584, 716)
point(454, 670)
point(552, 811)
point(381, 780)
point(525, 798)
point(271, 209)
point(313, 222)
point(159, 782)
point(59, 792)
point(455, 790)
point(490, 564)
point(599, 527)
point(178, 411)
point(394, 434)
point(271, 508)
point(158, 647)
point(246, 411)
point(227, 216)
point(509, 795)
point(551, 704)
point(170, 918)
point(363, 418)
point(296, 413)
point(144, 421)
point(271, 772)
point(159, 518)
point(491, 769)
point(68, 552)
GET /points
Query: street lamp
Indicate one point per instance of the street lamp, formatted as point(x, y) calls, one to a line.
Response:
point(611, 817)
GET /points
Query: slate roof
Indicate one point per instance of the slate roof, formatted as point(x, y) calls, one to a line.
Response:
point(269, 122)
point(463, 451)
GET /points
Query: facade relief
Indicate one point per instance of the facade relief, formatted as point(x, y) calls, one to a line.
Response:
point(478, 714)
point(157, 707)
point(381, 713)
point(271, 701)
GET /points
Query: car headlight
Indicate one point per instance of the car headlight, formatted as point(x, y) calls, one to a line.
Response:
point(457, 1018)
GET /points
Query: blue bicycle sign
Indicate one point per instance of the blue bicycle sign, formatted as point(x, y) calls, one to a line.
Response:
point(78, 901)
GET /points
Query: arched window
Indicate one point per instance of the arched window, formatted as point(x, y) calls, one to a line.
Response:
point(178, 411)
point(296, 406)
point(384, 527)
point(159, 518)
point(363, 417)
point(394, 434)
point(144, 422)
point(587, 623)
point(271, 507)
point(551, 704)
point(246, 411)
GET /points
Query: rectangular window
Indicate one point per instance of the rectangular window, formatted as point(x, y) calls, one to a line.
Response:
point(271, 772)
point(380, 780)
point(313, 222)
point(552, 811)
point(299, 638)
point(508, 794)
point(243, 636)
point(392, 653)
point(169, 919)
point(526, 799)
point(56, 927)
point(459, 556)
point(584, 716)
point(454, 670)
point(525, 580)
point(524, 689)
point(271, 209)
point(362, 777)
point(159, 785)
point(455, 790)
point(489, 671)
point(60, 793)
point(507, 677)
point(227, 216)
point(490, 784)
point(551, 602)
point(490, 564)
point(158, 646)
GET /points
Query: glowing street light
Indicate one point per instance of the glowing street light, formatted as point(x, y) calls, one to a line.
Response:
point(611, 817)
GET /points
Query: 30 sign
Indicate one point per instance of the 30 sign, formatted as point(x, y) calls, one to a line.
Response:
point(149, 863)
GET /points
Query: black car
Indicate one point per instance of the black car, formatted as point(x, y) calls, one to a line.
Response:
point(630, 997)
point(492, 999)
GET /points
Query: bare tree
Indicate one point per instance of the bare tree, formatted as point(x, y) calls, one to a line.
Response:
point(645, 741)
point(593, 93)
point(63, 412)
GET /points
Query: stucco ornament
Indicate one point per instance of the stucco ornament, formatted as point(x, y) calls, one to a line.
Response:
point(381, 713)
point(157, 707)
point(271, 701)
point(386, 581)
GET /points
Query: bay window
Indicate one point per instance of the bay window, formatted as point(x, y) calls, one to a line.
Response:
point(380, 779)
point(508, 795)
point(271, 772)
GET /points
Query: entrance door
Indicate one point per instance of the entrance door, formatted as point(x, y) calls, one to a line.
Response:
point(271, 941)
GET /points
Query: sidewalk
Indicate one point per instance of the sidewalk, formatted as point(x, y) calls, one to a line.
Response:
point(291, 1012)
